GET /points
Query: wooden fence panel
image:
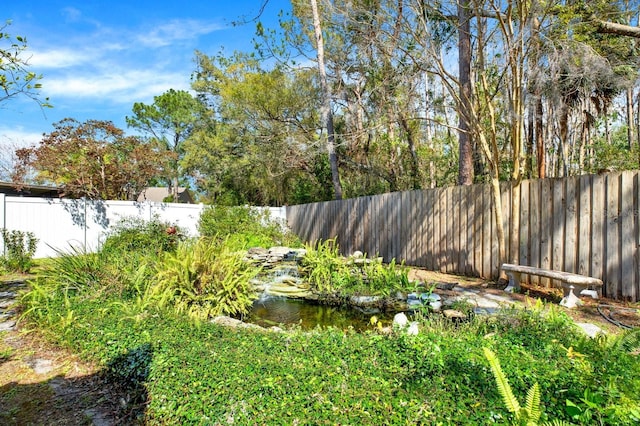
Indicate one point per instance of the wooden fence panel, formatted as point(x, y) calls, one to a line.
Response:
point(488, 244)
point(535, 231)
point(612, 235)
point(586, 224)
point(598, 230)
point(627, 236)
point(505, 193)
point(387, 217)
point(525, 239)
point(558, 186)
point(570, 225)
point(442, 239)
point(468, 209)
point(416, 220)
point(478, 209)
point(430, 230)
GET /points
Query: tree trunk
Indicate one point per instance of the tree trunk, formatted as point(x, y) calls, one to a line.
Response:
point(539, 131)
point(327, 115)
point(630, 121)
point(531, 137)
point(564, 139)
point(415, 167)
point(465, 168)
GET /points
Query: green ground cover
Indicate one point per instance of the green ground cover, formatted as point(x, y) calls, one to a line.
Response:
point(182, 369)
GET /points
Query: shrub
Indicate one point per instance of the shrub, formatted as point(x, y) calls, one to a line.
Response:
point(243, 227)
point(76, 269)
point(20, 247)
point(133, 234)
point(203, 279)
point(328, 272)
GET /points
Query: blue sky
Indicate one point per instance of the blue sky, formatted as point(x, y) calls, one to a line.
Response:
point(99, 57)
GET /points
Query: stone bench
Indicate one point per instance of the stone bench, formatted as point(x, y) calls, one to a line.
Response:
point(581, 282)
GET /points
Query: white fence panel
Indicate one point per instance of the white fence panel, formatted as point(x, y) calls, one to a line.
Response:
point(59, 223)
point(55, 223)
point(185, 216)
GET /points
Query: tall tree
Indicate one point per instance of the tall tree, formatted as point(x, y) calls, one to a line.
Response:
point(170, 120)
point(261, 144)
point(465, 144)
point(94, 159)
point(327, 114)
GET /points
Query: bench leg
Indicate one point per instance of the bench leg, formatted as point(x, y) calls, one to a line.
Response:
point(514, 282)
point(589, 292)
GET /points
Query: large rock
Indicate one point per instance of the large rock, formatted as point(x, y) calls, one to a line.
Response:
point(287, 290)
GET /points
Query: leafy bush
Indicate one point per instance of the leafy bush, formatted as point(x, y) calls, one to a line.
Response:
point(76, 269)
point(135, 235)
point(204, 279)
point(328, 272)
point(20, 247)
point(243, 227)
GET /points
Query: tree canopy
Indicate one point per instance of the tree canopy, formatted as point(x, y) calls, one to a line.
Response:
point(169, 122)
point(94, 159)
point(363, 97)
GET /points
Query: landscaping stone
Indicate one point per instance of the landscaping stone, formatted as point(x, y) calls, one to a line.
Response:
point(400, 320)
point(40, 365)
point(7, 325)
point(590, 330)
point(364, 300)
point(453, 314)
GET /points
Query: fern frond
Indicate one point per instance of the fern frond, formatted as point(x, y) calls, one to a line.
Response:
point(629, 340)
point(557, 422)
point(533, 403)
point(504, 388)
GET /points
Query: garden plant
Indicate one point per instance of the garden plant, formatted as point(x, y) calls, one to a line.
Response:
point(143, 315)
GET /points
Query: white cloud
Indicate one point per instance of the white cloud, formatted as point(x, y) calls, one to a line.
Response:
point(176, 30)
point(121, 87)
point(71, 14)
point(114, 66)
point(18, 137)
point(61, 58)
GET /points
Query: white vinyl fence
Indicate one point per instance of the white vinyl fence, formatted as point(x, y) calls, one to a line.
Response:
point(59, 223)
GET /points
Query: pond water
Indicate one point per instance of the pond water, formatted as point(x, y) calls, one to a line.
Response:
point(276, 311)
point(283, 303)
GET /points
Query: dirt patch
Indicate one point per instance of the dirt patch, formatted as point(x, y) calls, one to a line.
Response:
point(41, 384)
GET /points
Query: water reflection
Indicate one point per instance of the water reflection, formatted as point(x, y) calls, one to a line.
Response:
point(282, 311)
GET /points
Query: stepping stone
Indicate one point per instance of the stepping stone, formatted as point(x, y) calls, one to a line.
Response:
point(7, 326)
point(41, 366)
point(590, 330)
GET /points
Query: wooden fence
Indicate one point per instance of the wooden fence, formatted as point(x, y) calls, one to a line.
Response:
point(587, 225)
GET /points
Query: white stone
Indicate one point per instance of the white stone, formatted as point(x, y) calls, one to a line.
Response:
point(590, 330)
point(400, 320)
point(413, 329)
